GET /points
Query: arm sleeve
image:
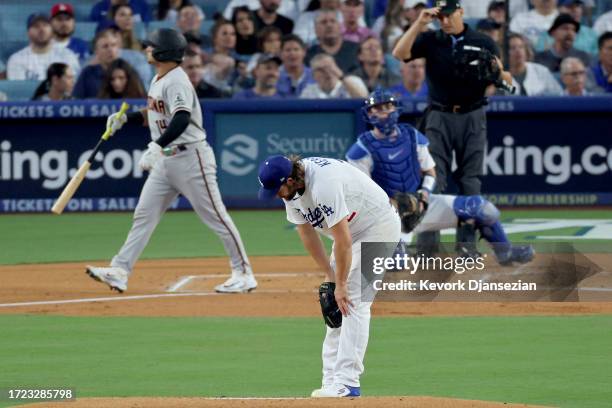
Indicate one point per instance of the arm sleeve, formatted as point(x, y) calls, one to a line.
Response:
point(294, 216)
point(177, 125)
point(426, 162)
point(330, 201)
point(359, 156)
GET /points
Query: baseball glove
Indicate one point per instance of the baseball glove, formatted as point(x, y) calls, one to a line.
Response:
point(409, 208)
point(329, 307)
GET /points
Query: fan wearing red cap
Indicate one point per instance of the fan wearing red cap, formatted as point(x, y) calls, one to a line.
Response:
point(63, 25)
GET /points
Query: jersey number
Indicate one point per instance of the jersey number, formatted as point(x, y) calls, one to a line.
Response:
point(161, 125)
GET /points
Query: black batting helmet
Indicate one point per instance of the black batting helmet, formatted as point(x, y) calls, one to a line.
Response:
point(168, 45)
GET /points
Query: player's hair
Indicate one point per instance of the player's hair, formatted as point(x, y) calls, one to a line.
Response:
point(297, 170)
point(57, 69)
point(133, 86)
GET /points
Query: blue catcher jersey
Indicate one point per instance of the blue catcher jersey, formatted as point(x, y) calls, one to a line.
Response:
point(395, 163)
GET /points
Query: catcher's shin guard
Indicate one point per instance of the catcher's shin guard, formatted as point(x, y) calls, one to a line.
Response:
point(428, 243)
point(465, 239)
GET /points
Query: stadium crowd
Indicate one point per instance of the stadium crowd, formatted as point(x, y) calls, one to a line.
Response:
point(301, 48)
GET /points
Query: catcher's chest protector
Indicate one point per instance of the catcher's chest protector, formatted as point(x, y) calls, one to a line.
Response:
point(396, 165)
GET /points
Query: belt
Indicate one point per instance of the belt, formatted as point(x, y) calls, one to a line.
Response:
point(457, 108)
point(173, 150)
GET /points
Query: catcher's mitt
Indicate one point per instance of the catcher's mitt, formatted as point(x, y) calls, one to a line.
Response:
point(329, 307)
point(409, 208)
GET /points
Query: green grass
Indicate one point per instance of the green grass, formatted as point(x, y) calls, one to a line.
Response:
point(561, 361)
point(81, 237)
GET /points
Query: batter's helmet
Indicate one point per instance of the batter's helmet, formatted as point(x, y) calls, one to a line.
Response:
point(168, 45)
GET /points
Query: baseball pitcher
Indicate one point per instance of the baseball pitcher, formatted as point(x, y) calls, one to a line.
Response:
point(333, 198)
point(179, 161)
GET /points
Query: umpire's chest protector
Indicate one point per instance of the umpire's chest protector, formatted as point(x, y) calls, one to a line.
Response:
point(396, 165)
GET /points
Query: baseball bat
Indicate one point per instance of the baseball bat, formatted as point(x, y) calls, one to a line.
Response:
point(76, 180)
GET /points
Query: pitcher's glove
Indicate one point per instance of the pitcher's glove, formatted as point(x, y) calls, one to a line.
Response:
point(329, 306)
point(409, 208)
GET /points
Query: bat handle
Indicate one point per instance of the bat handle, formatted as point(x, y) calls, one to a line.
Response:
point(124, 107)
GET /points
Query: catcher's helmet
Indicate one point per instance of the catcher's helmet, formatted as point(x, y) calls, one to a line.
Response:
point(168, 45)
point(378, 97)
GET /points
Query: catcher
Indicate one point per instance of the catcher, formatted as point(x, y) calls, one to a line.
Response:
point(397, 158)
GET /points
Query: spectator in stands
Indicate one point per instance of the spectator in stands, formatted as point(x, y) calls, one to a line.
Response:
point(305, 25)
point(101, 11)
point(122, 17)
point(497, 11)
point(331, 42)
point(269, 40)
point(106, 50)
point(390, 26)
point(224, 38)
point(372, 68)
point(413, 80)
point(534, 22)
point(602, 70)
point(2, 70)
point(167, 10)
point(287, 8)
point(563, 31)
point(479, 9)
point(189, 19)
point(352, 13)
point(267, 15)
point(529, 78)
point(32, 61)
point(603, 24)
point(194, 43)
point(58, 85)
point(586, 38)
point(220, 72)
point(63, 25)
point(244, 23)
point(3, 97)
point(194, 68)
point(490, 28)
point(266, 75)
point(121, 82)
point(294, 74)
point(330, 81)
point(573, 77)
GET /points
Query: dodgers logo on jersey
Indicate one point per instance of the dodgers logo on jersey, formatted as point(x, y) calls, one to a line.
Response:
point(315, 216)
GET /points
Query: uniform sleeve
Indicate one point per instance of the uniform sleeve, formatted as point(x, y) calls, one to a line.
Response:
point(294, 216)
point(420, 46)
point(330, 200)
point(359, 156)
point(179, 97)
point(426, 162)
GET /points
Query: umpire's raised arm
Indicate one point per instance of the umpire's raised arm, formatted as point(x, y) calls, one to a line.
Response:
point(403, 48)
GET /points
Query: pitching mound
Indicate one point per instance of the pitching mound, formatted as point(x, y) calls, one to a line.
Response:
point(365, 402)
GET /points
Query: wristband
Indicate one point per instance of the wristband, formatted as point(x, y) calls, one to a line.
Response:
point(428, 183)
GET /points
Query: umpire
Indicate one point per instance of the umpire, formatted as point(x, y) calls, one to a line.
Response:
point(455, 119)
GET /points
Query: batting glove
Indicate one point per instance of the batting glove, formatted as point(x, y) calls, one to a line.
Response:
point(115, 121)
point(150, 156)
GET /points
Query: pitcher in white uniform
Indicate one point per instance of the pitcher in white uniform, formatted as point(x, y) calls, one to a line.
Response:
point(335, 199)
point(180, 161)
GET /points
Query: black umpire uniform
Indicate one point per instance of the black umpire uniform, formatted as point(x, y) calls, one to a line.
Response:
point(455, 120)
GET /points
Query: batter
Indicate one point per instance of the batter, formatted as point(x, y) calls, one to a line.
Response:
point(180, 161)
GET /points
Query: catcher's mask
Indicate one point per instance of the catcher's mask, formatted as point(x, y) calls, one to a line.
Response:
point(378, 97)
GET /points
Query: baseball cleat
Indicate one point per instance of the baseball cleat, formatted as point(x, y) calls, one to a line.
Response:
point(336, 391)
point(518, 253)
point(237, 284)
point(113, 276)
